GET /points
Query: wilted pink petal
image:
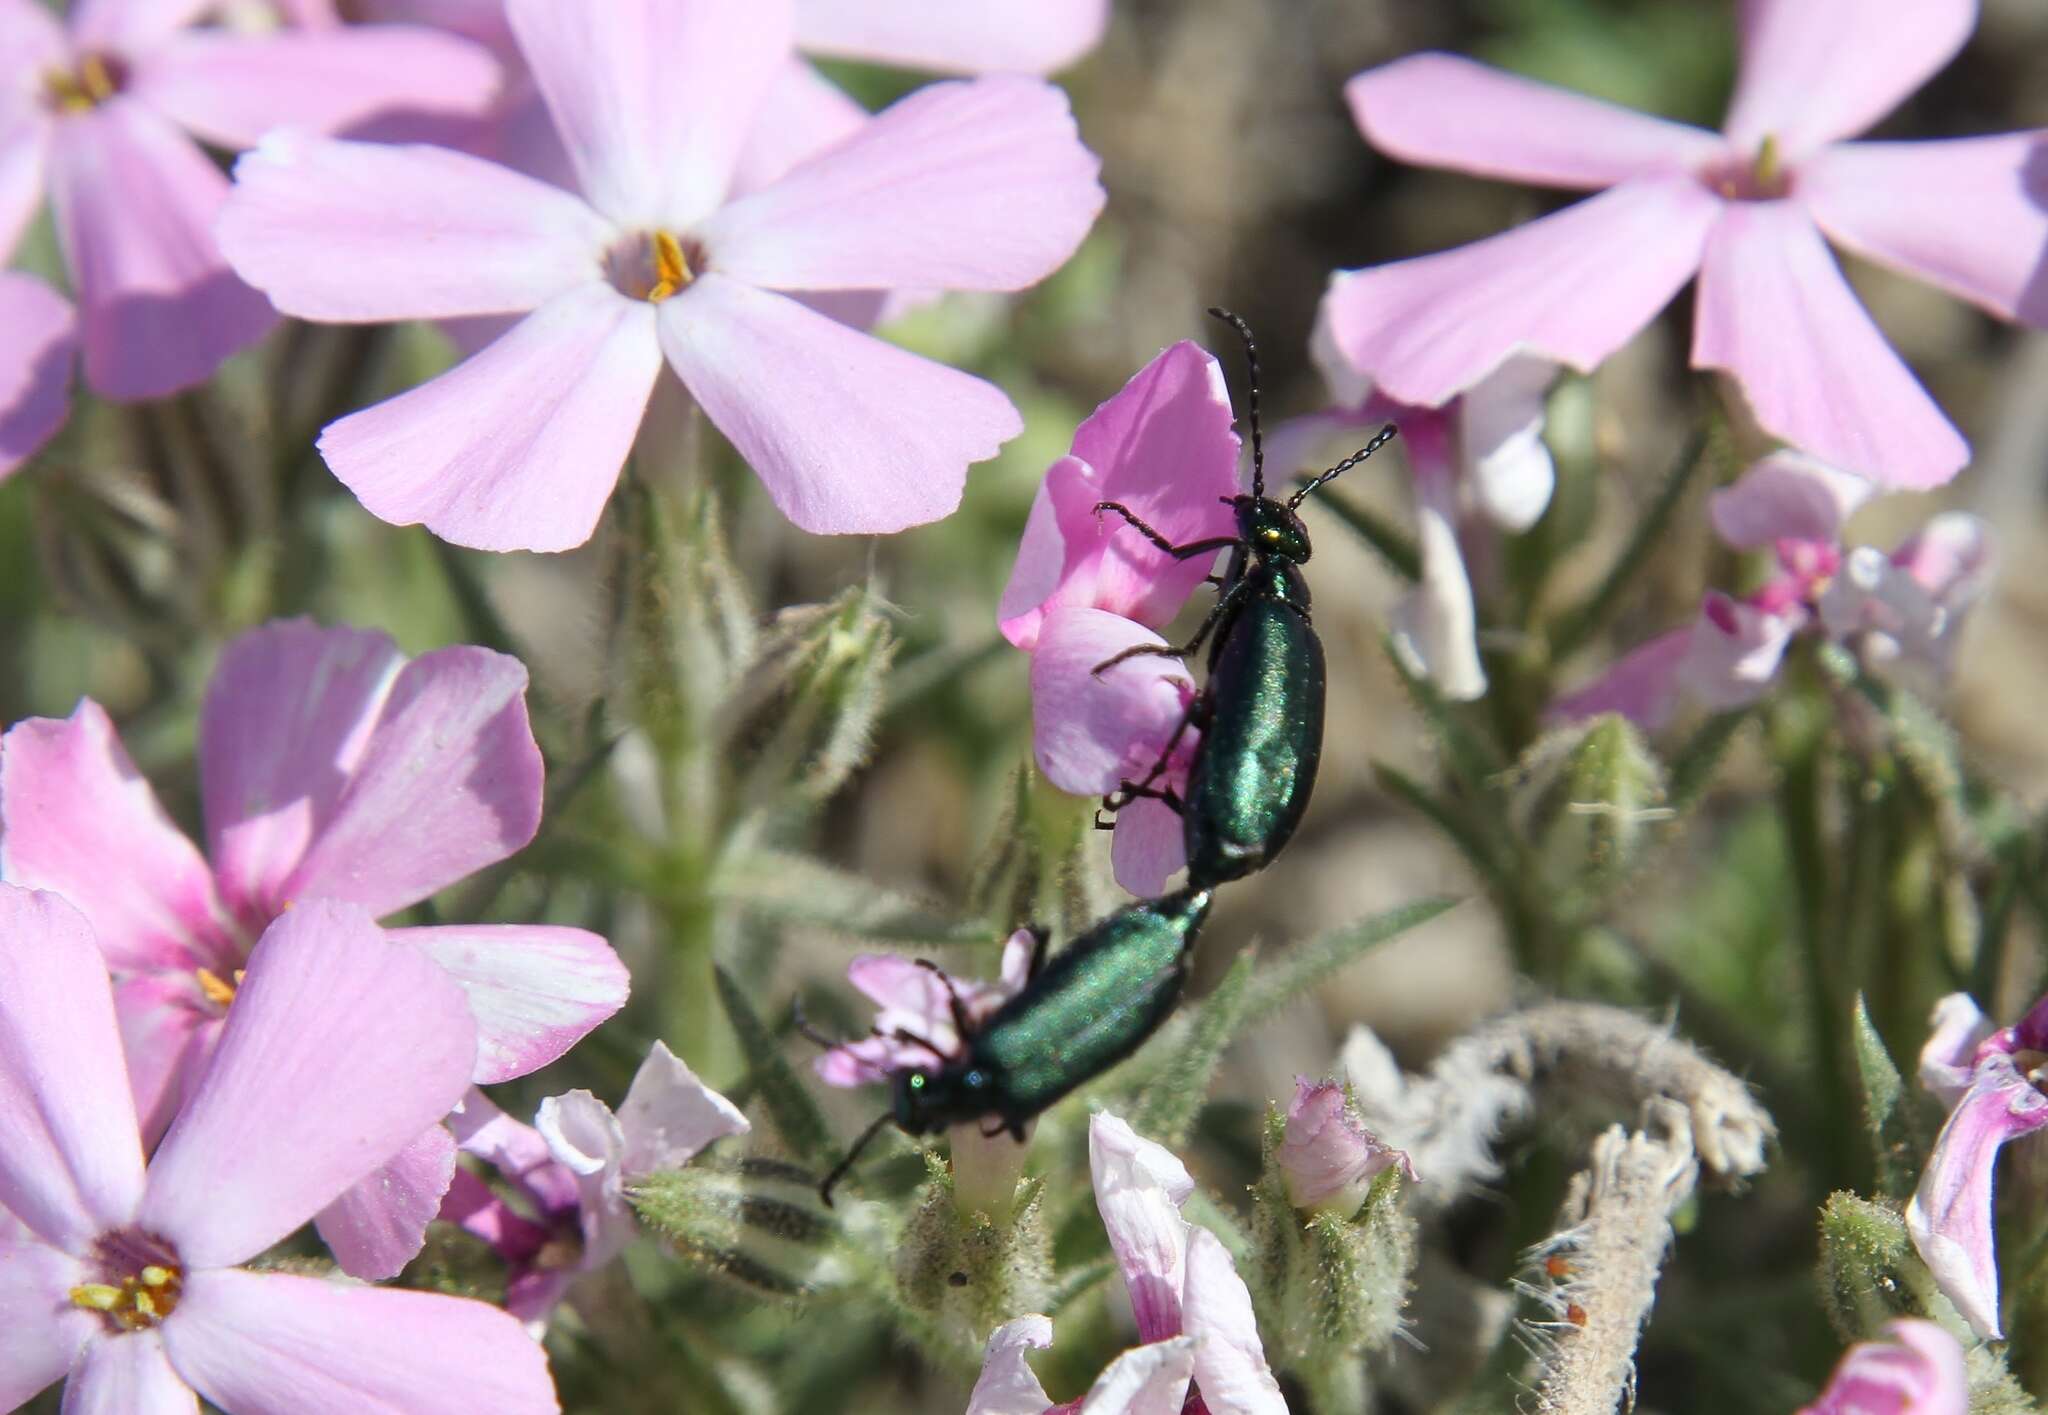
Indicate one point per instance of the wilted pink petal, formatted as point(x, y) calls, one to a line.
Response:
point(1327, 1158)
point(669, 1115)
point(1148, 848)
point(1786, 495)
point(43, 1337)
point(1949, 1052)
point(317, 1080)
point(231, 89)
point(135, 203)
point(849, 434)
point(534, 989)
point(1776, 313)
point(1139, 1190)
point(915, 1027)
point(71, 801)
point(1091, 732)
point(127, 1376)
point(990, 36)
point(1500, 436)
point(653, 100)
point(1572, 287)
point(1816, 70)
point(1874, 601)
point(518, 447)
point(1642, 685)
point(70, 1163)
point(1007, 1384)
point(907, 201)
point(1230, 1360)
point(35, 364)
point(350, 231)
point(1434, 627)
point(585, 1137)
point(1440, 110)
point(1950, 558)
point(1917, 1370)
point(264, 1341)
point(1967, 216)
point(1950, 1217)
point(379, 1223)
point(1734, 651)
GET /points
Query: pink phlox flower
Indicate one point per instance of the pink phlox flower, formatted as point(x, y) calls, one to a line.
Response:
point(914, 1029)
point(1328, 1159)
point(331, 767)
point(1901, 612)
point(1193, 1312)
point(1992, 1080)
point(126, 1279)
point(1478, 464)
point(653, 259)
point(1917, 1369)
point(1086, 587)
point(568, 1173)
point(1748, 210)
point(105, 111)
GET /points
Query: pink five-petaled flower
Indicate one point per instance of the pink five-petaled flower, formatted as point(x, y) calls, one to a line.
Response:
point(331, 767)
point(1917, 1370)
point(102, 111)
point(915, 1030)
point(1745, 209)
point(1990, 1080)
point(1902, 610)
point(570, 1174)
point(1087, 586)
point(1193, 1312)
point(960, 186)
point(1328, 1159)
point(126, 1280)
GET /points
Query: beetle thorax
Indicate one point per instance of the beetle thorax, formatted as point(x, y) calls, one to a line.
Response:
point(1271, 529)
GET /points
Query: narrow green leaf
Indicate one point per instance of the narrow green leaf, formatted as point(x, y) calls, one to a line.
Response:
point(1576, 625)
point(1470, 758)
point(1167, 1108)
point(1897, 1142)
point(789, 1104)
point(1301, 968)
point(798, 889)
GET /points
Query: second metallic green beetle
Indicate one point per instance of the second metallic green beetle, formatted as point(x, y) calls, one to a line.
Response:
point(1260, 712)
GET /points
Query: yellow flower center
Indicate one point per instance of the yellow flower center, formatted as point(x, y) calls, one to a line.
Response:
point(92, 83)
point(218, 990)
point(136, 1302)
point(650, 267)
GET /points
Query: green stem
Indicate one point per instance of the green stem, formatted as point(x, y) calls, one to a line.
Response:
point(1799, 799)
point(1577, 625)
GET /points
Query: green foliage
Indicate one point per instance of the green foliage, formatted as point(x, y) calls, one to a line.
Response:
point(1898, 1138)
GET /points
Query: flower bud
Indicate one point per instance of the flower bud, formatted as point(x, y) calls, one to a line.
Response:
point(967, 1270)
point(756, 1222)
point(1327, 1158)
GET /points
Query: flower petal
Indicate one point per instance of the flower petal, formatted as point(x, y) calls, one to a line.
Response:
point(1139, 1190)
point(1642, 685)
point(586, 1138)
point(990, 36)
point(70, 1159)
point(128, 1374)
point(132, 25)
point(515, 1149)
point(1092, 732)
point(44, 1331)
point(230, 89)
point(1954, 1031)
point(1434, 627)
point(25, 133)
point(653, 100)
point(518, 447)
point(71, 801)
point(1501, 447)
point(1949, 1217)
point(135, 203)
point(270, 1341)
point(534, 989)
point(805, 113)
point(168, 1030)
point(341, 1046)
point(1816, 70)
point(925, 195)
point(1150, 847)
point(35, 366)
point(1007, 1384)
point(1734, 651)
point(1950, 557)
point(1919, 1368)
point(379, 1224)
point(1162, 446)
point(1970, 216)
point(1147, 1380)
point(1786, 495)
point(1573, 286)
point(449, 781)
point(1776, 313)
point(1440, 110)
point(347, 231)
point(850, 435)
point(669, 1115)
point(1230, 1361)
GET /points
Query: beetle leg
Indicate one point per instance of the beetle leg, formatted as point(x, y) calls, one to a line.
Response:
point(1100, 823)
point(1224, 605)
point(1016, 1129)
point(1041, 938)
point(1207, 546)
point(988, 1134)
point(962, 1023)
point(1129, 792)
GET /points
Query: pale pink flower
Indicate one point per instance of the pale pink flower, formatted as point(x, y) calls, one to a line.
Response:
point(568, 1173)
point(1978, 1071)
point(1194, 1314)
point(125, 1280)
point(1745, 210)
point(36, 354)
point(1916, 1370)
point(1903, 610)
point(1087, 586)
point(518, 447)
point(331, 767)
point(915, 1028)
point(1328, 1159)
point(102, 112)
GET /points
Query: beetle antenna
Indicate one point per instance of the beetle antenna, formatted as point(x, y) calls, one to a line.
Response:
point(807, 1031)
point(1251, 359)
point(1379, 440)
point(839, 1170)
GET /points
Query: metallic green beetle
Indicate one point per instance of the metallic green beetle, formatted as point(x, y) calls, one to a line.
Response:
point(1260, 712)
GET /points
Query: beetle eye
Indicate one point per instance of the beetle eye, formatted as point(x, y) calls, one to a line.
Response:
point(917, 1082)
